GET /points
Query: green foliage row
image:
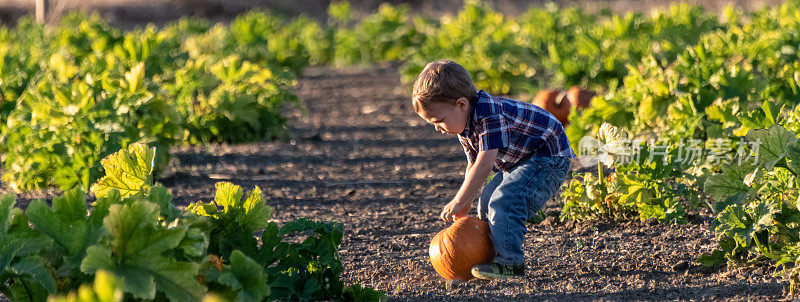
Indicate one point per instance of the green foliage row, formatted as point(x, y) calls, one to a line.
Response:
point(543, 47)
point(739, 82)
point(736, 78)
point(194, 82)
point(742, 75)
point(75, 93)
point(757, 211)
point(137, 245)
point(649, 183)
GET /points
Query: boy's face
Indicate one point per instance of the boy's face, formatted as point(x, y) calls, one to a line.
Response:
point(447, 118)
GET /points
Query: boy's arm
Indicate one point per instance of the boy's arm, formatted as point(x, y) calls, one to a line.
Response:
point(473, 181)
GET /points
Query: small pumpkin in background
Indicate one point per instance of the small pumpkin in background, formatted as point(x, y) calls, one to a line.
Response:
point(555, 102)
point(456, 249)
point(580, 98)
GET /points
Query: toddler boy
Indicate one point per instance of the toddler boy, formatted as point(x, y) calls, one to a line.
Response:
point(522, 143)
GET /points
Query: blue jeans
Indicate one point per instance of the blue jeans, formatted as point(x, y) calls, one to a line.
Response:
point(513, 196)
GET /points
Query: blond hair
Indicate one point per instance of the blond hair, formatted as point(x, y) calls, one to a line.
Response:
point(441, 81)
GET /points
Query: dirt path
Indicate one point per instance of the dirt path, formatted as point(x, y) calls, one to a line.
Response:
point(361, 156)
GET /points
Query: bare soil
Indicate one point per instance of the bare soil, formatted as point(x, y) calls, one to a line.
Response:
point(361, 156)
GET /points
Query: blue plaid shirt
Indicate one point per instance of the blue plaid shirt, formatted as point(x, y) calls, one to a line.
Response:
point(517, 129)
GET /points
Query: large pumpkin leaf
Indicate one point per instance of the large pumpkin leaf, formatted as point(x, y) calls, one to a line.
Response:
point(793, 159)
point(67, 223)
point(773, 144)
point(19, 259)
point(34, 267)
point(135, 252)
point(160, 195)
point(731, 181)
point(8, 249)
point(763, 215)
point(128, 171)
point(735, 223)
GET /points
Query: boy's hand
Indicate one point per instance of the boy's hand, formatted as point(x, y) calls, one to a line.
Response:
point(454, 210)
point(473, 181)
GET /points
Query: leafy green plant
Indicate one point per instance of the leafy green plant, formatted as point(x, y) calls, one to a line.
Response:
point(71, 230)
point(648, 184)
point(133, 250)
point(481, 40)
point(264, 39)
point(231, 100)
point(63, 126)
point(73, 95)
point(128, 171)
point(237, 221)
point(386, 35)
point(24, 275)
point(135, 242)
point(757, 217)
point(305, 270)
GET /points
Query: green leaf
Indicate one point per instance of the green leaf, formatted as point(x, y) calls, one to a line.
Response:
point(8, 251)
point(174, 278)
point(136, 252)
point(257, 212)
point(771, 111)
point(67, 223)
point(97, 257)
point(246, 277)
point(228, 196)
point(712, 259)
point(195, 244)
point(730, 182)
point(7, 202)
point(253, 213)
point(793, 159)
point(128, 171)
point(161, 196)
point(26, 289)
point(35, 267)
point(133, 230)
point(763, 214)
point(773, 144)
point(135, 77)
point(735, 223)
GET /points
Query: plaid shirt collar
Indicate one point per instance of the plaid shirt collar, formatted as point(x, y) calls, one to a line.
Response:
point(468, 129)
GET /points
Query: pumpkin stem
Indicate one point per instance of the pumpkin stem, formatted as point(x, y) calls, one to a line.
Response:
point(560, 98)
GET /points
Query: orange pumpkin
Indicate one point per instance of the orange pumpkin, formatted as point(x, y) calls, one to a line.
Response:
point(456, 249)
point(580, 98)
point(555, 102)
